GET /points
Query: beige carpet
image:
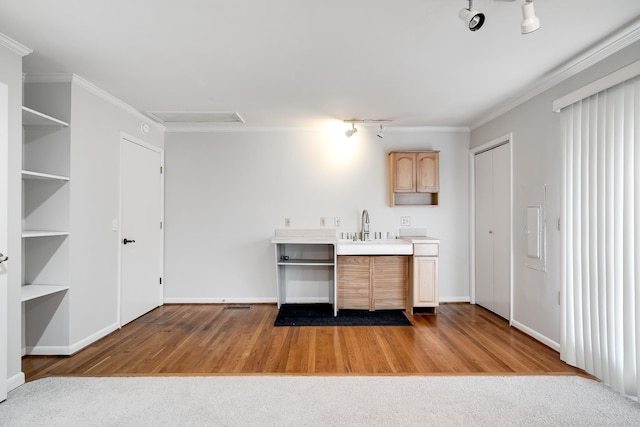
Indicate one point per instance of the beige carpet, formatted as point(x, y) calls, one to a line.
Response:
point(322, 401)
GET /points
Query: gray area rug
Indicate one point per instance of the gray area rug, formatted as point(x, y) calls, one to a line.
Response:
point(310, 401)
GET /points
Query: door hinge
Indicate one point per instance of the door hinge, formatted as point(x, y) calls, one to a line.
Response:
point(161, 280)
point(160, 225)
point(161, 170)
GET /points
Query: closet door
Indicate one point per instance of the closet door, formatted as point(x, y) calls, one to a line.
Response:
point(493, 213)
point(484, 229)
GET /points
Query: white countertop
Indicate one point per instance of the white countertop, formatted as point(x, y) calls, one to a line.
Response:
point(400, 246)
point(420, 239)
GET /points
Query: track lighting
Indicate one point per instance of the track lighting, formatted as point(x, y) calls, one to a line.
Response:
point(530, 22)
point(472, 18)
point(350, 132)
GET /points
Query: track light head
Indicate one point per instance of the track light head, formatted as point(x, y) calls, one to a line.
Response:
point(473, 19)
point(350, 132)
point(530, 22)
point(380, 133)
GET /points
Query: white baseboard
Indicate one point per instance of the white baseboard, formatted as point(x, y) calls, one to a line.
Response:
point(187, 300)
point(76, 347)
point(15, 381)
point(546, 341)
point(48, 350)
point(454, 299)
point(73, 348)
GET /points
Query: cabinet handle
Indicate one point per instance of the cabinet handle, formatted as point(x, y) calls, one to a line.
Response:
point(3, 258)
point(125, 241)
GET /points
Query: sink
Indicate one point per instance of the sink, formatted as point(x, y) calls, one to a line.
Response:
point(374, 247)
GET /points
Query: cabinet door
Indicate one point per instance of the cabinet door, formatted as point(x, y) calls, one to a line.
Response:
point(427, 174)
point(390, 278)
point(354, 287)
point(404, 179)
point(425, 274)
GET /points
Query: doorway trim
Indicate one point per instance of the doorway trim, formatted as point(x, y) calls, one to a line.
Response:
point(126, 138)
point(505, 139)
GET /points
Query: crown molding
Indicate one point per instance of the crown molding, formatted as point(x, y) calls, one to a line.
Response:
point(213, 128)
point(90, 87)
point(605, 48)
point(14, 46)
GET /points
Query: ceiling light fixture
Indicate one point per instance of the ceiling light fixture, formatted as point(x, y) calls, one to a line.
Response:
point(350, 132)
point(530, 22)
point(473, 19)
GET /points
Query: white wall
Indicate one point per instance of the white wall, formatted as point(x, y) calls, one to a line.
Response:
point(95, 202)
point(536, 162)
point(226, 192)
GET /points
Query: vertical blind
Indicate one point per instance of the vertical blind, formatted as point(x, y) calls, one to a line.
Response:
point(600, 330)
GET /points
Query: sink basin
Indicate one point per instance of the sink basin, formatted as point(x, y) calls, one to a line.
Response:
point(374, 247)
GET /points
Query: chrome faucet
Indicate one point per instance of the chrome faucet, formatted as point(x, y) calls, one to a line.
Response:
point(365, 225)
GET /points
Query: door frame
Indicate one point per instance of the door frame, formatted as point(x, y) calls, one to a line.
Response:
point(4, 238)
point(124, 139)
point(505, 139)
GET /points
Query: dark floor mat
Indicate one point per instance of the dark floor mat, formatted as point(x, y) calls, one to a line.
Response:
point(322, 315)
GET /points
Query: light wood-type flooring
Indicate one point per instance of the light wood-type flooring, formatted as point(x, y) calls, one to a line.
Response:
point(462, 339)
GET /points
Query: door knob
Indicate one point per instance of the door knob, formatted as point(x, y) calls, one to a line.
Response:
point(125, 241)
point(3, 258)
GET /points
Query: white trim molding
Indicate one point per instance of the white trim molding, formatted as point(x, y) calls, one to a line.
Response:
point(220, 300)
point(90, 87)
point(76, 347)
point(607, 47)
point(14, 46)
point(543, 339)
point(606, 82)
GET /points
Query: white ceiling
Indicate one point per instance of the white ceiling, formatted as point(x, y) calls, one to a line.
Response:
point(301, 62)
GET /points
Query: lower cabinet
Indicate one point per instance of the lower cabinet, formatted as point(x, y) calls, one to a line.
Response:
point(372, 282)
point(424, 276)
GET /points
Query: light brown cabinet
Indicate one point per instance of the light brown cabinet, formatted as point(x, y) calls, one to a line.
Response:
point(423, 291)
point(372, 282)
point(414, 177)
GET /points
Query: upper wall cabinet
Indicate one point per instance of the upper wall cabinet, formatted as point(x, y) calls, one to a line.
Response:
point(414, 177)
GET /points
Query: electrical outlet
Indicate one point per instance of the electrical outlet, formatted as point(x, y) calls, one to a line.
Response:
point(405, 221)
point(337, 221)
point(323, 221)
point(287, 222)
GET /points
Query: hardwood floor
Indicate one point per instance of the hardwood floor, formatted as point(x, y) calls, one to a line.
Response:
point(212, 339)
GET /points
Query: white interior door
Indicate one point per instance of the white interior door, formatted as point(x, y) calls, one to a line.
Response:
point(4, 234)
point(141, 230)
point(484, 229)
point(502, 231)
point(493, 230)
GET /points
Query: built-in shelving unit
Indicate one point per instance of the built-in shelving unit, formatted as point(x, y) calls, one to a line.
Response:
point(45, 222)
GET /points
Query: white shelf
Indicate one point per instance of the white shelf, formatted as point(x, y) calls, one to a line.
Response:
point(309, 262)
point(30, 292)
point(43, 233)
point(35, 118)
point(43, 176)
